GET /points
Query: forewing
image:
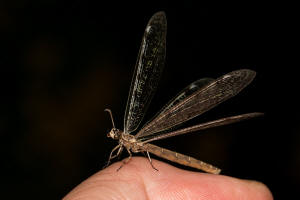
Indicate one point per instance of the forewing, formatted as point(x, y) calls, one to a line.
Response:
point(199, 102)
point(149, 66)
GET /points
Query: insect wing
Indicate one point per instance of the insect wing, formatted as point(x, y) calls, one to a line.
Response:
point(187, 91)
point(199, 102)
point(148, 69)
point(198, 127)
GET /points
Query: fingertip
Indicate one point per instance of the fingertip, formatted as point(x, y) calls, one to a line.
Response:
point(260, 189)
point(138, 179)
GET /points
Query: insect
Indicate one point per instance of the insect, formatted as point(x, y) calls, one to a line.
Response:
point(195, 99)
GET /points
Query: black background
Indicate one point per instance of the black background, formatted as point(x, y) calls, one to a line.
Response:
point(63, 62)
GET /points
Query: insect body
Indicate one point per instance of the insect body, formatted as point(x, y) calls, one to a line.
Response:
point(197, 98)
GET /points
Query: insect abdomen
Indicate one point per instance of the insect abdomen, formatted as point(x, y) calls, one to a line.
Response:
point(181, 159)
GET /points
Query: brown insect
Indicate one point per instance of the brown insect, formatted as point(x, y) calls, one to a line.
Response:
point(197, 98)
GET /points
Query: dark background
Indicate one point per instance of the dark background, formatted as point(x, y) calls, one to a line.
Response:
point(63, 62)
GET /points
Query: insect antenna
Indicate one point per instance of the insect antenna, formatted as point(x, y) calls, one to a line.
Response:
point(112, 119)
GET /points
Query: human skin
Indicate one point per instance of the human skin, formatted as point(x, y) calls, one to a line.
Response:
point(138, 180)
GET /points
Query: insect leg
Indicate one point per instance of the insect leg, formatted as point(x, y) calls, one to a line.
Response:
point(111, 156)
point(151, 161)
point(127, 159)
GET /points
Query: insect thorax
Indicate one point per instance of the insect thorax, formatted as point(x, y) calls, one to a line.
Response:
point(130, 143)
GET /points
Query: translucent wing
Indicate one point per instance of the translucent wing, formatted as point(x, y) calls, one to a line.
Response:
point(150, 63)
point(199, 102)
point(198, 127)
point(187, 91)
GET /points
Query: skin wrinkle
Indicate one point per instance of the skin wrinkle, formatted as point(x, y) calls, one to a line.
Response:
point(98, 185)
point(145, 189)
point(86, 193)
point(135, 180)
point(110, 178)
point(140, 180)
point(170, 191)
point(185, 190)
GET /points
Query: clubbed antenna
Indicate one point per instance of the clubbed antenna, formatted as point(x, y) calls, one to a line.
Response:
point(112, 119)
